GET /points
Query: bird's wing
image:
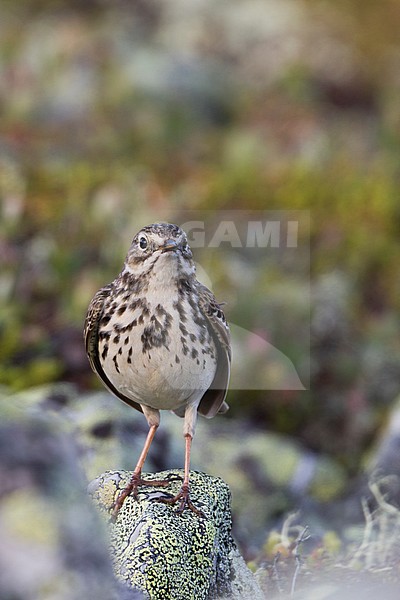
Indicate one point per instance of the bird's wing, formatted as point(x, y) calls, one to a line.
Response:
point(91, 336)
point(213, 400)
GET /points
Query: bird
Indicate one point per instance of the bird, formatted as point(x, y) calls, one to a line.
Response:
point(158, 340)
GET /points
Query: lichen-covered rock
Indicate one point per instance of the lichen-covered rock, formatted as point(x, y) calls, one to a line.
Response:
point(174, 556)
point(110, 436)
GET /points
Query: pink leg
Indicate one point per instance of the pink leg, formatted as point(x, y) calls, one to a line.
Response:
point(183, 495)
point(136, 478)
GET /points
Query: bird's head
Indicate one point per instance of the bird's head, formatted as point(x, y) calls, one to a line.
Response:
point(163, 243)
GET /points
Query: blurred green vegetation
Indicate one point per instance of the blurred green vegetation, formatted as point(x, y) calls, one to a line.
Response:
point(114, 114)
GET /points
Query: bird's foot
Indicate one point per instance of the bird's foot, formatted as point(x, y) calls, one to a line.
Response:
point(132, 490)
point(183, 497)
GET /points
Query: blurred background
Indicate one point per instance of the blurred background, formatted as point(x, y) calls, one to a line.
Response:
point(114, 113)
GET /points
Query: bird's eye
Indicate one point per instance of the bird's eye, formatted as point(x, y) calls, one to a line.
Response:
point(143, 243)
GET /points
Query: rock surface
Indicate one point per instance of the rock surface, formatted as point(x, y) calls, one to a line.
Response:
point(170, 555)
point(267, 474)
point(52, 543)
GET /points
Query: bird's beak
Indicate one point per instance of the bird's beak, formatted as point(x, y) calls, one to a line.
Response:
point(169, 245)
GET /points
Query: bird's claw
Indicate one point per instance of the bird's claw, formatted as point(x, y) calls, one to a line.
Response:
point(183, 496)
point(132, 490)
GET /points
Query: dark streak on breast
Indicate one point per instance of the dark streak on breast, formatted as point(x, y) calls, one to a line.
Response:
point(115, 360)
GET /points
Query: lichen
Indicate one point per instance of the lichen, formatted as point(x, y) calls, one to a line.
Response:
point(167, 554)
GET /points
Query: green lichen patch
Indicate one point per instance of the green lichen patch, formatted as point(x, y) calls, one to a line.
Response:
point(167, 554)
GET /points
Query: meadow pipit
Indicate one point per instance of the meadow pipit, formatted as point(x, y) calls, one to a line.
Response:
point(158, 339)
